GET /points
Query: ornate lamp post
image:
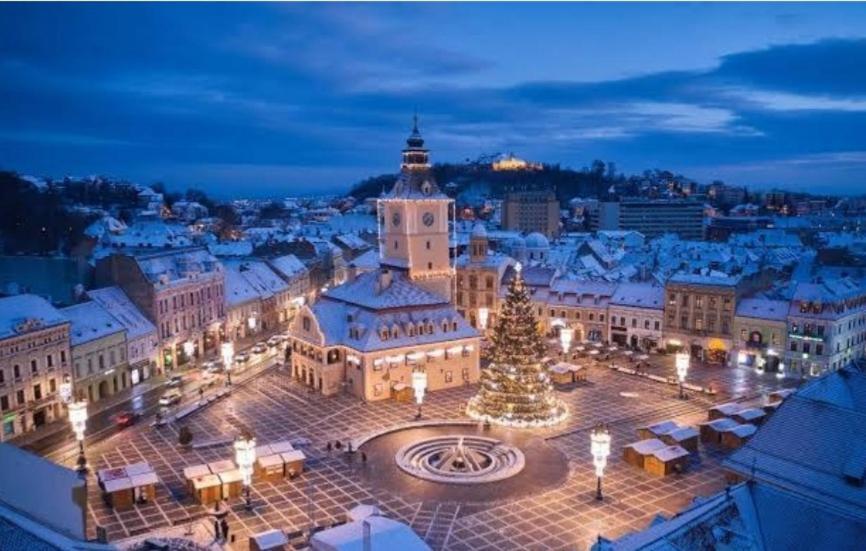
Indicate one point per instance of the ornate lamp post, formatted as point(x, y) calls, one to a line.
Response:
point(483, 315)
point(419, 385)
point(245, 456)
point(251, 322)
point(65, 390)
point(566, 336)
point(227, 349)
point(188, 350)
point(78, 420)
point(600, 448)
point(682, 363)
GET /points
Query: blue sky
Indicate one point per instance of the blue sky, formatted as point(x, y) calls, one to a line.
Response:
point(280, 99)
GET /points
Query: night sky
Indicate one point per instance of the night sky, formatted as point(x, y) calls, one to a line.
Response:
point(283, 99)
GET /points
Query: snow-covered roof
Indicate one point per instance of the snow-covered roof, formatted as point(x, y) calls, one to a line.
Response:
point(352, 241)
point(89, 322)
point(639, 295)
point(366, 291)
point(368, 260)
point(231, 248)
point(537, 240)
point(763, 309)
point(16, 311)
point(479, 230)
point(124, 311)
point(384, 534)
point(288, 266)
point(177, 265)
point(237, 289)
point(698, 279)
point(814, 443)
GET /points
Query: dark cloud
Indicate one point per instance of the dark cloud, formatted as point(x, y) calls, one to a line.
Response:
point(294, 98)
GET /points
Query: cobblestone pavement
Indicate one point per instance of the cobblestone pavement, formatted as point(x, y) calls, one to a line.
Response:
point(276, 408)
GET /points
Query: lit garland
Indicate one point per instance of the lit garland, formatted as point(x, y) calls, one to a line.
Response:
point(515, 388)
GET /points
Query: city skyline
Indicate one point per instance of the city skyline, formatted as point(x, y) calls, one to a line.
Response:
point(268, 100)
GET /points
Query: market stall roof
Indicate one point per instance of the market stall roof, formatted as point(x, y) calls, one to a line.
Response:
point(360, 512)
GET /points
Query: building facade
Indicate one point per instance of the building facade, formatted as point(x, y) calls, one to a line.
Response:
point(826, 327)
point(98, 346)
point(181, 291)
point(760, 334)
point(479, 280)
point(531, 210)
point(142, 341)
point(367, 336)
point(699, 315)
point(580, 305)
point(636, 315)
point(653, 217)
point(34, 362)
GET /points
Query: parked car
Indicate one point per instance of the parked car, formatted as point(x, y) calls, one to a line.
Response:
point(170, 397)
point(208, 377)
point(213, 367)
point(174, 381)
point(242, 358)
point(126, 419)
point(274, 341)
point(260, 348)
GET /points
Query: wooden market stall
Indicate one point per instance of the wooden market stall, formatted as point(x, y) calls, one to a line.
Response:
point(232, 483)
point(711, 431)
point(221, 466)
point(294, 462)
point(401, 392)
point(685, 437)
point(737, 436)
point(778, 396)
point(723, 410)
point(123, 487)
point(656, 430)
point(270, 468)
point(755, 416)
point(271, 540)
point(636, 452)
point(116, 488)
point(207, 489)
point(191, 473)
point(666, 460)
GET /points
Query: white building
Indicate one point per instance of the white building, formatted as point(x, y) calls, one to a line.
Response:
point(98, 344)
point(636, 313)
point(367, 336)
point(142, 341)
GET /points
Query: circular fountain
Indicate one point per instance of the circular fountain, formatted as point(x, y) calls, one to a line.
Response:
point(460, 459)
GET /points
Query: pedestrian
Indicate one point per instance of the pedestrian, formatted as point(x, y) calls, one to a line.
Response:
point(329, 447)
point(363, 457)
point(224, 524)
point(339, 445)
point(200, 393)
point(216, 529)
point(349, 447)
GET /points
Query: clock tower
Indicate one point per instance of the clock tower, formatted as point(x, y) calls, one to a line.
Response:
point(414, 222)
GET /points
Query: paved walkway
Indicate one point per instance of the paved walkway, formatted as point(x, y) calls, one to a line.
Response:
point(276, 408)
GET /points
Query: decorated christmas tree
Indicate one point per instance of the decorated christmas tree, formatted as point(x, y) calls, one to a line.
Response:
point(515, 387)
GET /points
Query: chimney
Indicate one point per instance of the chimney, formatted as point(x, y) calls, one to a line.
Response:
point(384, 282)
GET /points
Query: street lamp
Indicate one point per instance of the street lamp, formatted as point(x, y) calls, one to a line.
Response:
point(245, 456)
point(566, 335)
point(682, 363)
point(600, 448)
point(188, 350)
point(66, 390)
point(227, 349)
point(78, 420)
point(483, 315)
point(251, 322)
point(419, 385)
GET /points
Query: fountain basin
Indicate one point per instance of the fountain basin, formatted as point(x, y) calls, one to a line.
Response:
point(460, 459)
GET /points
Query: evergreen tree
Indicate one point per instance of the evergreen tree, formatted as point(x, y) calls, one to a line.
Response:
point(515, 387)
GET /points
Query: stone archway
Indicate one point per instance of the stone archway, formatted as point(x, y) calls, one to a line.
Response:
point(103, 390)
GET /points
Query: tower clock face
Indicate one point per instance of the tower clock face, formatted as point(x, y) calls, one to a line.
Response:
point(395, 218)
point(428, 219)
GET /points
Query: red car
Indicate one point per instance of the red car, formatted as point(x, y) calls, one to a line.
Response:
point(126, 419)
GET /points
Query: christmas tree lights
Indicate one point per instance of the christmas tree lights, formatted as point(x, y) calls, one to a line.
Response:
point(515, 388)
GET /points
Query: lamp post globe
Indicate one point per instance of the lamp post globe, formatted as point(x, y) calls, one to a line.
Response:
point(600, 449)
point(78, 420)
point(245, 457)
point(419, 386)
point(682, 365)
point(227, 350)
